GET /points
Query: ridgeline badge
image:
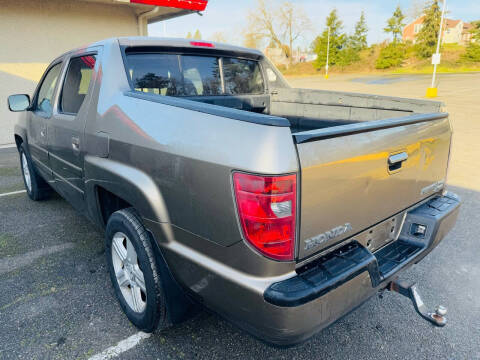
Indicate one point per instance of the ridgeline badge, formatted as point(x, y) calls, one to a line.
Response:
point(326, 236)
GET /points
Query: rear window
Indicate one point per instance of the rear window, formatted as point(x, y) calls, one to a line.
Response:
point(193, 75)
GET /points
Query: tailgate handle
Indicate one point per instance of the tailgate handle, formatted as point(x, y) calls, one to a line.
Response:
point(395, 161)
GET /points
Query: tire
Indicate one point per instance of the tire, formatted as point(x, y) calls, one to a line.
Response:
point(37, 188)
point(142, 300)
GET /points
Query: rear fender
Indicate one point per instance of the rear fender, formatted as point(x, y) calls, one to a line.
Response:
point(129, 184)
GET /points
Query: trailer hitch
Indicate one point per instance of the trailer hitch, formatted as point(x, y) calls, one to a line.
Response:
point(410, 291)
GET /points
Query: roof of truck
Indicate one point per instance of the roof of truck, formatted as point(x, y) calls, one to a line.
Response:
point(146, 41)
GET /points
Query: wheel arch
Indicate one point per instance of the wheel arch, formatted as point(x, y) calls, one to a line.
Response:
point(134, 187)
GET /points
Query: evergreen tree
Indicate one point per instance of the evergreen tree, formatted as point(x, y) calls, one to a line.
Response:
point(337, 41)
point(189, 35)
point(427, 38)
point(396, 24)
point(197, 35)
point(473, 50)
point(359, 38)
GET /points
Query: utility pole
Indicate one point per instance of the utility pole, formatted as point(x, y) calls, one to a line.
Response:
point(328, 54)
point(432, 91)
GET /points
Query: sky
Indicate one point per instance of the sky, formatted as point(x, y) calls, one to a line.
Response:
point(230, 17)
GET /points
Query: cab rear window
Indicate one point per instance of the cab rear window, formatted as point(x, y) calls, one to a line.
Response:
point(193, 75)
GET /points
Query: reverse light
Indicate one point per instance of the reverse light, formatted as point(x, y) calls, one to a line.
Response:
point(267, 211)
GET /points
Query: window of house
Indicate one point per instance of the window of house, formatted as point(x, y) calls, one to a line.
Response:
point(76, 84)
point(45, 93)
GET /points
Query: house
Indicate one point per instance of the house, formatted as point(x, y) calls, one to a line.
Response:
point(454, 31)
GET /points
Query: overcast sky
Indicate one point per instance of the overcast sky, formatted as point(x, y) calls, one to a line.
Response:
point(230, 17)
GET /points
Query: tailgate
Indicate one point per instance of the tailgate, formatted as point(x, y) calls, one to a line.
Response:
point(357, 175)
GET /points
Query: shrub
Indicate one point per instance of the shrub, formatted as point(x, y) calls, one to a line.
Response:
point(473, 53)
point(391, 56)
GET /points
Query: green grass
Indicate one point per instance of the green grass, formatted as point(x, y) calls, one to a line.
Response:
point(452, 62)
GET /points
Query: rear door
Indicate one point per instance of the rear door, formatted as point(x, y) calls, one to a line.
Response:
point(42, 110)
point(351, 180)
point(66, 127)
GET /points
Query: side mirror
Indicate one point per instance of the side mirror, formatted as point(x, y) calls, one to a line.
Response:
point(18, 102)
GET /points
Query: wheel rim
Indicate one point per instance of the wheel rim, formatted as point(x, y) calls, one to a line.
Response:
point(129, 276)
point(26, 173)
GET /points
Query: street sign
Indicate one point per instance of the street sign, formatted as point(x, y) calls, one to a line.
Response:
point(436, 59)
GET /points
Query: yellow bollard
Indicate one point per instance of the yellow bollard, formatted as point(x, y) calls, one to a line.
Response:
point(432, 93)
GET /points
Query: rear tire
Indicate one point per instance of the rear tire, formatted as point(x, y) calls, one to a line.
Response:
point(37, 188)
point(134, 272)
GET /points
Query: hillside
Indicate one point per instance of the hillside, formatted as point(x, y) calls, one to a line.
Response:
point(451, 62)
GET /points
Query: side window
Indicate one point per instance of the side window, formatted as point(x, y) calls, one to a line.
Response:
point(45, 93)
point(77, 82)
point(275, 80)
point(242, 77)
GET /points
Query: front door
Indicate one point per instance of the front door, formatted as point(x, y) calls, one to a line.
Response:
point(66, 129)
point(41, 111)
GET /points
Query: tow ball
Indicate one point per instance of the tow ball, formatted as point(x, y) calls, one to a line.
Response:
point(410, 291)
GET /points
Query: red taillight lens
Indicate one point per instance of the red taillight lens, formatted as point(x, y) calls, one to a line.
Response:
point(267, 210)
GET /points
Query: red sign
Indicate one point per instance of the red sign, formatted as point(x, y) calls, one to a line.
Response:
point(196, 5)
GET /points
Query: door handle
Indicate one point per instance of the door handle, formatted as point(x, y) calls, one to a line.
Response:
point(75, 144)
point(396, 161)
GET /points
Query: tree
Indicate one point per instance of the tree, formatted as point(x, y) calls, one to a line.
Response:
point(359, 38)
point(197, 35)
point(219, 37)
point(427, 38)
point(416, 9)
point(391, 55)
point(280, 25)
point(396, 24)
point(473, 50)
point(337, 41)
point(189, 35)
point(261, 22)
point(294, 23)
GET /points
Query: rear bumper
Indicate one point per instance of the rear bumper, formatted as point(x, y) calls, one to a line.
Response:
point(335, 284)
point(288, 309)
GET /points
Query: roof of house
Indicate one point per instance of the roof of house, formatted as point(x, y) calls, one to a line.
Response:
point(451, 23)
point(167, 8)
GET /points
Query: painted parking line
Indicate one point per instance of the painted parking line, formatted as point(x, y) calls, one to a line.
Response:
point(7, 146)
point(15, 262)
point(13, 193)
point(121, 347)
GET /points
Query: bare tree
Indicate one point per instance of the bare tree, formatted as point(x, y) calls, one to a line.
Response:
point(280, 24)
point(416, 9)
point(294, 24)
point(261, 22)
point(219, 37)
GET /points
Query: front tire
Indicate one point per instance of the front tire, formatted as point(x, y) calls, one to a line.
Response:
point(133, 271)
point(37, 188)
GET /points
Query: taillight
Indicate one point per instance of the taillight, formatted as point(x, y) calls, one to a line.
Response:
point(202, 44)
point(267, 211)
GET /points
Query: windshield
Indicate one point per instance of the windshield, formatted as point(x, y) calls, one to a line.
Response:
point(194, 75)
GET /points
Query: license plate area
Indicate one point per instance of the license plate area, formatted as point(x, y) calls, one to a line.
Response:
point(382, 234)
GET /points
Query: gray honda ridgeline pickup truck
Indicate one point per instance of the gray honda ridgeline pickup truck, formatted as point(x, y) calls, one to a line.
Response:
point(218, 184)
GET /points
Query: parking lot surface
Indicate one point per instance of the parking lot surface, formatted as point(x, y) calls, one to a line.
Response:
point(56, 301)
